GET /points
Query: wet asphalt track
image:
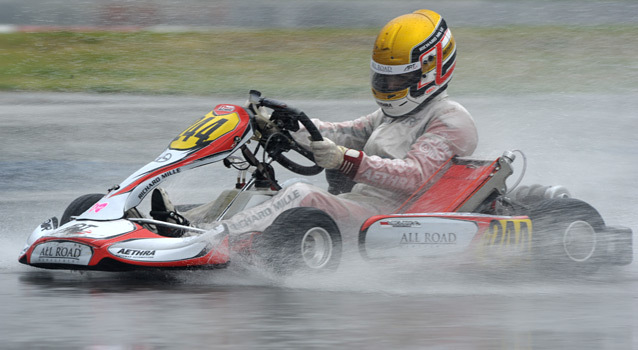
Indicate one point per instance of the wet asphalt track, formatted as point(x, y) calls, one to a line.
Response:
point(55, 147)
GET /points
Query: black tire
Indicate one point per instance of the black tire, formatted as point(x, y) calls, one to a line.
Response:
point(300, 240)
point(79, 206)
point(566, 236)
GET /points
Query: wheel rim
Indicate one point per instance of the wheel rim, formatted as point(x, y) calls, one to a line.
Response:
point(316, 247)
point(579, 241)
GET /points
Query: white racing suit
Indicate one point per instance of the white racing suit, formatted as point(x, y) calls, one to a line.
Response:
point(399, 155)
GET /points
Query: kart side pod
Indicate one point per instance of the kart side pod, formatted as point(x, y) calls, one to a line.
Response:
point(432, 235)
point(435, 220)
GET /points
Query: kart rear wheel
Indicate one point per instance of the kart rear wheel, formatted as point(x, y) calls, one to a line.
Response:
point(79, 206)
point(566, 235)
point(301, 240)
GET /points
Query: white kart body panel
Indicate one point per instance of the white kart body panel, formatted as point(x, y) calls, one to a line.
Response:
point(61, 252)
point(418, 236)
point(60, 249)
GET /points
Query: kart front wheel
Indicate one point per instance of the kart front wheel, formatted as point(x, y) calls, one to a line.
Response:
point(301, 240)
point(566, 235)
point(79, 206)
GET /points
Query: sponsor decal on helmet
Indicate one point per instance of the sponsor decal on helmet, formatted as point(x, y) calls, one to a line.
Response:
point(410, 67)
point(394, 69)
point(435, 37)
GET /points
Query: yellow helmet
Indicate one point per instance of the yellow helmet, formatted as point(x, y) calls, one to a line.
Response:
point(413, 59)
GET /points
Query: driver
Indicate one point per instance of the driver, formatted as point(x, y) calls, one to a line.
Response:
point(391, 152)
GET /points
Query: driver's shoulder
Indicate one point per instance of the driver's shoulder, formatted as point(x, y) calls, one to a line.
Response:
point(448, 112)
point(376, 118)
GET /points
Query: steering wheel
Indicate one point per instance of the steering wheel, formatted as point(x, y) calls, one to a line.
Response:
point(287, 118)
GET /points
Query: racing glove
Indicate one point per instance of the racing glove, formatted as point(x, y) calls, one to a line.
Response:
point(329, 155)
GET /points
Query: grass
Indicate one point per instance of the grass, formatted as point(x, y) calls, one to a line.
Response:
point(318, 63)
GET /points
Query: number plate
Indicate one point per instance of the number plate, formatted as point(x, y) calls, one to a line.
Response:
point(61, 253)
point(205, 130)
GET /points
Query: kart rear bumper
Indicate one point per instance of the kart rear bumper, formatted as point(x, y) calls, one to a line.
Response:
point(616, 246)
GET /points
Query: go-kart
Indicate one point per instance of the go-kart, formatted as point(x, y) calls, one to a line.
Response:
point(464, 208)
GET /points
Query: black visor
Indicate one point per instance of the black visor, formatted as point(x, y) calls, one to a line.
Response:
point(393, 83)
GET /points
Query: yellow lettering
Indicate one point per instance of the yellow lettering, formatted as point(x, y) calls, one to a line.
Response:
point(205, 130)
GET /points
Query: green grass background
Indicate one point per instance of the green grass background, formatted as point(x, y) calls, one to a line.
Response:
point(315, 63)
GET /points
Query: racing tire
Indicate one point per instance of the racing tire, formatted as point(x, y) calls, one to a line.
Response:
point(79, 206)
point(300, 240)
point(566, 236)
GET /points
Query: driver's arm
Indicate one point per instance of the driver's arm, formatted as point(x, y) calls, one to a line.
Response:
point(446, 135)
point(351, 134)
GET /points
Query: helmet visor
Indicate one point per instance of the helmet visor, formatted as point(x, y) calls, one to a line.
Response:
point(396, 82)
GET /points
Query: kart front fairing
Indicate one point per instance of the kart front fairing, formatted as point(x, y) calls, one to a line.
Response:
point(211, 139)
point(120, 245)
point(109, 236)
